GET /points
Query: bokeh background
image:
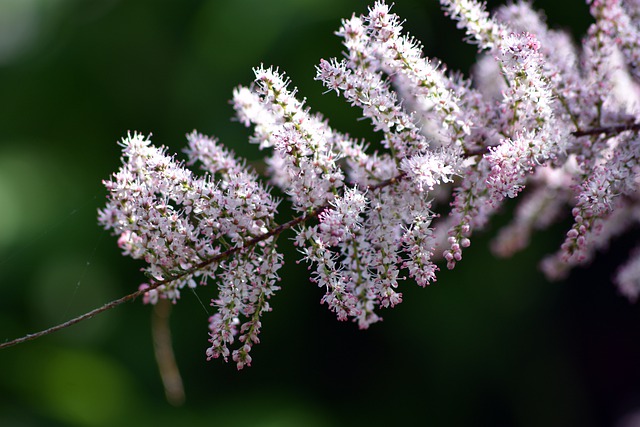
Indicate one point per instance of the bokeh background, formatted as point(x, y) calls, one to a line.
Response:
point(490, 344)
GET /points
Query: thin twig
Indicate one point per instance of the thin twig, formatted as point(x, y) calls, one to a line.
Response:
point(75, 320)
point(608, 130)
point(229, 252)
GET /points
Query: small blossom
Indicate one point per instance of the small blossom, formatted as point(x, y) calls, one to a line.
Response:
point(429, 170)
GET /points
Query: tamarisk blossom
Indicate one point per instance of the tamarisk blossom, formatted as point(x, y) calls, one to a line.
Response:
point(180, 224)
point(597, 93)
point(522, 121)
point(538, 116)
point(359, 267)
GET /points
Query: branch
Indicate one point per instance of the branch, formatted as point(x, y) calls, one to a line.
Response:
point(229, 252)
point(608, 130)
point(78, 319)
point(108, 306)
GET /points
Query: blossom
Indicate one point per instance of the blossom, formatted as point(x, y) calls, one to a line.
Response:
point(181, 225)
point(540, 120)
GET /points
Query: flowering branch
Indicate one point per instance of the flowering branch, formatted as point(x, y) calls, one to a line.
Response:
point(145, 290)
point(443, 138)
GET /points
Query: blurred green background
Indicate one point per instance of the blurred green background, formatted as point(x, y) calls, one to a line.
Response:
point(490, 344)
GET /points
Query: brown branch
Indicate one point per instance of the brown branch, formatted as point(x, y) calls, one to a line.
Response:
point(608, 130)
point(75, 320)
point(108, 306)
point(478, 151)
point(229, 252)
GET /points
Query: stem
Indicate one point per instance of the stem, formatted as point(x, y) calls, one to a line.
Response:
point(108, 306)
point(607, 130)
point(229, 252)
point(78, 319)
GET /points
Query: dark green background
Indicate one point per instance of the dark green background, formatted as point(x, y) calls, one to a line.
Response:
point(491, 344)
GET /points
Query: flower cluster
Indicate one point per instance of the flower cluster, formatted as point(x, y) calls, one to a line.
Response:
point(540, 118)
point(187, 227)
